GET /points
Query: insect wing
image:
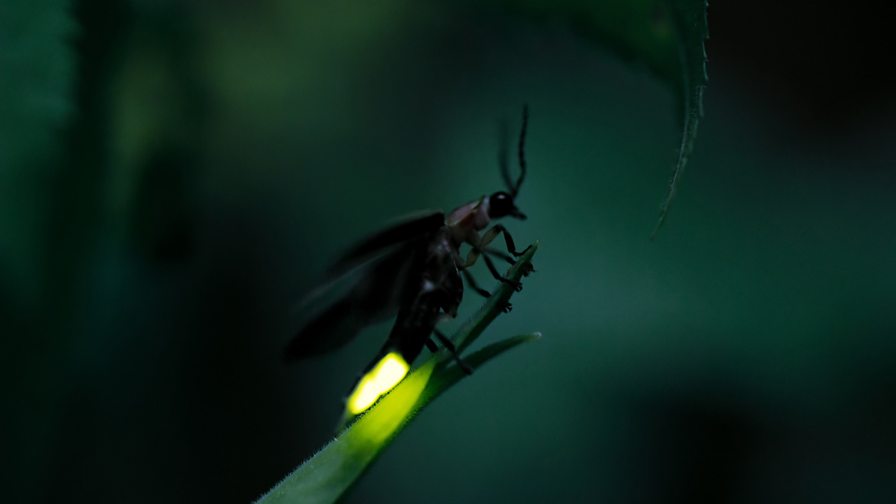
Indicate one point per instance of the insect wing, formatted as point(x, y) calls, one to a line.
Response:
point(374, 295)
point(402, 231)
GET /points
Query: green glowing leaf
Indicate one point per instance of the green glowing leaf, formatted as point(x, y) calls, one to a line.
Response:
point(331, 472)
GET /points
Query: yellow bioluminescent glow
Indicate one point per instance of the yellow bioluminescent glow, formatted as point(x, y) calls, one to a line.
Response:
point(379, 380)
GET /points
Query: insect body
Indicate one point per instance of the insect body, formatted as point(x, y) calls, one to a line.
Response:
point(413, 269)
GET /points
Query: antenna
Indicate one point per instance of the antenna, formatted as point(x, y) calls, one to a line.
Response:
point(521, 152)
point(502, 155)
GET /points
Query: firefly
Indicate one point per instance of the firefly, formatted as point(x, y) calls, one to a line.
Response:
point(414, 270)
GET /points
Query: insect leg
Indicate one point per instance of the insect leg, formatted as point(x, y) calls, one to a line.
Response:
point(473, 256)
point(482, 292)
point(473, 285)
point(492, 233)
point(527, 269)
point(450, 347)
point(500, 255)
point(517, 286)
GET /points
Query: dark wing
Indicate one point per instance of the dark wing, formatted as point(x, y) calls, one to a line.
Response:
point(392, 256)
point(404, 230)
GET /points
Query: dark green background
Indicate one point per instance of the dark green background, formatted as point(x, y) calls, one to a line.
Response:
point(179, 174)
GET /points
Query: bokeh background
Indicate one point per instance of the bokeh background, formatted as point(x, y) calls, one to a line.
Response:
point(176, 175)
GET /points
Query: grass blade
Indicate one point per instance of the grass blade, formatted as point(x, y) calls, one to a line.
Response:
point(333, 471)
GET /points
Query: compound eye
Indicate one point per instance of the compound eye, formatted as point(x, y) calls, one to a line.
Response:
point(500, 204)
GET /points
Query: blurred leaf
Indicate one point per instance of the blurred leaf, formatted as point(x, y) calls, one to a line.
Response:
point(36, 64)
point(332, 472)
point(36, 76)
point(666, 35)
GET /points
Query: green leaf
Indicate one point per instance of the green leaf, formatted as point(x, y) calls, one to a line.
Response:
point(666, 35)
point(453, 374)
point(332, 472)
point(692, 30)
